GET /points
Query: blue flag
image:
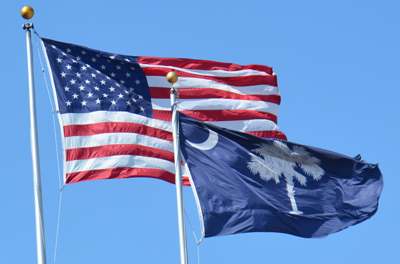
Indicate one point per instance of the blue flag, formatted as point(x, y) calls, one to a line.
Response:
point(244, 183)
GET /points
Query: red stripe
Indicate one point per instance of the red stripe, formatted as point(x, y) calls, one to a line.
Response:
point(202, 64)
point(269, 134)
point(197, 93)
point(162, 115)
point(115, 127)
point(123, 173)
point(113, 150)
point(235, 81)
point(218, 115)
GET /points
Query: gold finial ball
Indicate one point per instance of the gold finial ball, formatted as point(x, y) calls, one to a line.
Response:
point(27, 12)
point(172, 77)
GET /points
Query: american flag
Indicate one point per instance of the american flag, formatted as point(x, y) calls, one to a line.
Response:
point(115, 110)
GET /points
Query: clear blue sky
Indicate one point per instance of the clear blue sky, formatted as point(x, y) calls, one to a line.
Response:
point(337, 64)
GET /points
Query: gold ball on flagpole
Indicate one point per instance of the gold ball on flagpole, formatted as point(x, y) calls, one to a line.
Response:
point(27, 12)
point(172, 77)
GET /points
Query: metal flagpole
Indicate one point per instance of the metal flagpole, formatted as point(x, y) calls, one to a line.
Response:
point(27, 12)
point(172, 77)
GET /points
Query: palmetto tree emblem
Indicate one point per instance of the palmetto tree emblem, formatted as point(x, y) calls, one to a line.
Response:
point(278, 160)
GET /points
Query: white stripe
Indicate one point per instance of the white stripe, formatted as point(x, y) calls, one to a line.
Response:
point(115, 139)
point(186, 83)
point(217, 104)
point(216, 73)
point(113, 116)
point(121, 161)
point(247, 125)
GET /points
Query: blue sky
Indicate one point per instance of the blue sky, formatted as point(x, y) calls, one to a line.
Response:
point(337, 64)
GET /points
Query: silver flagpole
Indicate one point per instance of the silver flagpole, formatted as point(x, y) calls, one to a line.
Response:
point(172, 77)
point(27, 12)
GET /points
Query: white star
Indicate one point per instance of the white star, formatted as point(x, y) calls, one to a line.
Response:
point(105, 95)
point(122, 63)
point(87, 65)
point(83, 52)
point(83, 68)
point(134, 100)
point(122, 81)
point(74, 61)
point(66, 88)
point(126, 92)
point(87, 81)
point(118, 67)
point(103, 67)
point(53, 46)
point(63, 53)
point(120, 96)
point(137, 82)
point(59, 60)
point(113, 102)
point(90, 94)
point(127, 60)
point(97, 101)
point(78, 74)
point(83, 103)
point(97, 55)
point(103, 82)
point(69, 50)
point(108, 78)
point(132, 68)
point(93, 75)
point(98, 71)
point(63, 74)
point(75, 96)
point(69, 67)
point(96, 88)
point(78, 58)
point(131, 89)
point(112, 89)
point(128, 103)
point(117, 84)
point(112, 74)
point(108, 61)
point(140, 97)
point(93, 59)
point(81, 88)
point(72, 81)
point(112, 57)
point(128, 74)
point(141, 109)
point(68, 103)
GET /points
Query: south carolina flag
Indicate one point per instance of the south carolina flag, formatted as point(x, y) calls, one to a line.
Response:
point(245, 183)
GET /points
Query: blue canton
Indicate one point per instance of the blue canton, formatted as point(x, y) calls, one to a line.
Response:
point(89, 80)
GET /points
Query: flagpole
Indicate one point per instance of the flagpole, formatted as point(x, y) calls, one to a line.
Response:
point(27, 13)
point(172, 77)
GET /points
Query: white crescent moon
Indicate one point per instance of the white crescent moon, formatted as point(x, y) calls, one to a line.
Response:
point(210, 143)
